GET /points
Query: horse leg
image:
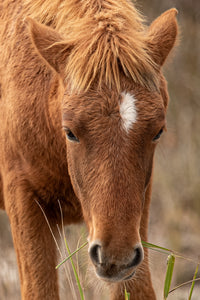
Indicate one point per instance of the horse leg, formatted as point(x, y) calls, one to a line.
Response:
point(1, 194)
point(33, 242)
point(140, 286)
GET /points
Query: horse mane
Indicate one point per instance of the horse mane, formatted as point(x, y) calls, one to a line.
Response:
point(108, 38)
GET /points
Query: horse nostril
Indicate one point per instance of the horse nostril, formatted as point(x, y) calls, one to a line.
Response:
point(95, 254)
point(138, 256)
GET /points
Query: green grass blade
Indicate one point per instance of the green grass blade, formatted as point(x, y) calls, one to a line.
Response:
point(166, 250)
point(193, 283)
point(73, 266)
point(152, 246)
point(127, 295)
point(71, 254)
point(169, 273)
point(74, 269)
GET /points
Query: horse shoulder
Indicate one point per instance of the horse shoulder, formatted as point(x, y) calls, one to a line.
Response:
point(33, 143)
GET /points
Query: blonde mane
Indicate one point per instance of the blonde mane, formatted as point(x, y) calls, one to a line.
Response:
point(108, 38)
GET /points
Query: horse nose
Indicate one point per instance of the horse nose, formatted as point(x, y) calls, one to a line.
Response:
point(95, 253)
point(138, 257)
point(98, 256)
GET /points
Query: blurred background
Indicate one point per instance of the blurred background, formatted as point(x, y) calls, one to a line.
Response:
point(175, 209)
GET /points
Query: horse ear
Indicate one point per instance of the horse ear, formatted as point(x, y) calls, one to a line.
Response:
point(49, 44)
point(162, 35)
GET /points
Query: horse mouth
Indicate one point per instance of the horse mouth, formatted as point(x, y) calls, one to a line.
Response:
point(129, 276)
point(113, 274)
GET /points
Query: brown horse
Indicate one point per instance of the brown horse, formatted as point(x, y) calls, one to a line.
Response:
point(82, 106)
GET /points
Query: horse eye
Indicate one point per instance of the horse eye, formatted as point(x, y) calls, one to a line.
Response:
point(158, 135)
point(70, 135)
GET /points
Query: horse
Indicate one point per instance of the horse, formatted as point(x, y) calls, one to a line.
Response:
point(83, 104)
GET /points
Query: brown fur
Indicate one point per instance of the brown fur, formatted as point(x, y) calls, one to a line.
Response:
point(84, 55)
point(108, 49)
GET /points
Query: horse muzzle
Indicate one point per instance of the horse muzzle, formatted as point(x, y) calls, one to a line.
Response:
point(110, 269)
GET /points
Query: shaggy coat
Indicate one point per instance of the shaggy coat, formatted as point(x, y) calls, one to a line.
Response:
point(82, 106)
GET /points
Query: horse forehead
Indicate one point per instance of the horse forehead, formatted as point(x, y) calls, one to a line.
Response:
point(129, 107)
point(127, 110)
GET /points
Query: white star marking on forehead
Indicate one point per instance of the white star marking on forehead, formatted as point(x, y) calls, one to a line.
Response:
point(128, 111)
